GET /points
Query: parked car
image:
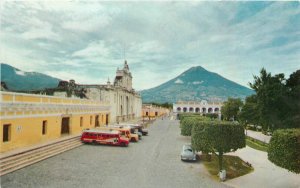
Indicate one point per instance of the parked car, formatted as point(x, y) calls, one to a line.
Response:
point(187, 153)
point(136, 126)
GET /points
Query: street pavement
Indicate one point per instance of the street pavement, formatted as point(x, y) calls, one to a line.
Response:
point(152, 162)
point(258, 135)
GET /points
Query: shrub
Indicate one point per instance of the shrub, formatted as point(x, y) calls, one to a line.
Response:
point(186, 126)
point(217, 137)
point(284, 149)
point(188, 122)
point(212, 116)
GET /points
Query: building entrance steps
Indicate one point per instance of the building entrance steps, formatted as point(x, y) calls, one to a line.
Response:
point(36, 146)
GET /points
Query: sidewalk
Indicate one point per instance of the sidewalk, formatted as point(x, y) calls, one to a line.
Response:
point(265, 174)
point(258, 136)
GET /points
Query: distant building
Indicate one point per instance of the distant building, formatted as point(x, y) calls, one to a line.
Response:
point(201, 107)
point(150, 111)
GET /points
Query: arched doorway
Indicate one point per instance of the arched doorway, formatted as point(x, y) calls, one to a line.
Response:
point(178, 109)
point(210, 110)
point(204, 110)
point(184, 109)
point(191, 109)
point(197, 110)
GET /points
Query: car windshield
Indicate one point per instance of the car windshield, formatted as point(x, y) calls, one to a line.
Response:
point(190, 150)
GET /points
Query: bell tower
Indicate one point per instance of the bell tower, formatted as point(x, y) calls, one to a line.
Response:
point(124, 77)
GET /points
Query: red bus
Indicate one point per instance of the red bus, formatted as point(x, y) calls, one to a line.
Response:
point(109, 137)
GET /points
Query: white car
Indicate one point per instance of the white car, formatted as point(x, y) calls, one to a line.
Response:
point(187, 153)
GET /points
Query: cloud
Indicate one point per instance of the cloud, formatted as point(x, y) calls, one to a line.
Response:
point(89, 40)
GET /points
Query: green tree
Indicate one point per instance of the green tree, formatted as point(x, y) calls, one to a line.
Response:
point(249, 113)
point(284, 149)
point(231, 108)
point(217, 137)
point(293, 101)
point(165, 105)
point(271, 95)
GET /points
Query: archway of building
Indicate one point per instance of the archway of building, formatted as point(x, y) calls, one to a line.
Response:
point(191, 109)
point(184, 109)
point(178, 109)
point(203, 110)
point(217, 110)
point(197, 110)
point(210, 110)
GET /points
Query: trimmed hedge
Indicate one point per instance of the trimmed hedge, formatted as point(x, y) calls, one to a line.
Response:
point(217, 137)
point(284, 149)
point(186, 126)
point(212, 116)
point(184, 115)
point(209, 136)
point(188, 122)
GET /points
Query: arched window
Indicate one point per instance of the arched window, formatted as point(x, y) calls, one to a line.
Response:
point(178, 109)
point(197, 110)
point(184, 109)
point(203, 110)
point(217, 110)
point(210, 110)
point(191, 109)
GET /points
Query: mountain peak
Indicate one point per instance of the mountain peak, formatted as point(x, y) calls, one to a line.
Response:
point(196, 68)
point(197, 84)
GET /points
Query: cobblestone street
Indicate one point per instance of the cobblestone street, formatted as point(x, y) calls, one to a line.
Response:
point(152, 162)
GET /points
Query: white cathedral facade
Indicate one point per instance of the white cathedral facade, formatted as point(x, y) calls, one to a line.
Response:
point(125, 102)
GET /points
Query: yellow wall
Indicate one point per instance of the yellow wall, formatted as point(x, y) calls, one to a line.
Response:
point(26, 124)
point(28, 131)
point(150, 111)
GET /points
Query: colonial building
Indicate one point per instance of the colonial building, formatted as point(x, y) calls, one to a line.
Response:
point(150, 111)
point(201, 107)
point(125, 102)
point(28, 119)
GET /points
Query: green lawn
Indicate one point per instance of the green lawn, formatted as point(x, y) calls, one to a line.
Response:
point(233, 165)
point(256, 145)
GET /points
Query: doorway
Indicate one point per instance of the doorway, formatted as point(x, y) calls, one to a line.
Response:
point(65, 125)
point(106, 119)
point(97, 121)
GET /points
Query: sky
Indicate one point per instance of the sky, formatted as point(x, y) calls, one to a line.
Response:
point(88, 40)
